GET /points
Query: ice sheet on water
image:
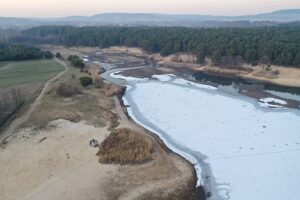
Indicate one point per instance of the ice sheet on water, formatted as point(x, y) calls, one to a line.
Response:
point(127, 78)
point(253, 152)
point(164, 77)
point(190, 83)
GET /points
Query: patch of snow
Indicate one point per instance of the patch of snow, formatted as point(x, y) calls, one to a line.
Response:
point(85, 60)
point(273, 100)
point(270, 102)
point(164, 77)
point(267, 105)
point(172, 77)
point(186, 82)
point(127, 78)
point(253, 153)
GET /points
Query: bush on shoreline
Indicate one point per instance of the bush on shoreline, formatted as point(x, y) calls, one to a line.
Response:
point(86, 81)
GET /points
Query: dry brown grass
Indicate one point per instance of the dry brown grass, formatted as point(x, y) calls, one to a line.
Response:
point(125, 146)
point(105, 103)
point(269, 73)
point(111, 117)
point(111, 89)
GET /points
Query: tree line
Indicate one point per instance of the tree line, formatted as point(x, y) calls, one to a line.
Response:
point(278, 45)
point(10, 52)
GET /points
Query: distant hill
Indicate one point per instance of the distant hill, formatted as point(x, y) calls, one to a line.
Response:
point(278, 16)
point(148, 19)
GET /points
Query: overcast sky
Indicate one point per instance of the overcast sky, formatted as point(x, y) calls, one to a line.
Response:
point(59, 8)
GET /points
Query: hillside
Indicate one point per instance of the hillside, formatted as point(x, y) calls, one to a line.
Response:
point(152, 19)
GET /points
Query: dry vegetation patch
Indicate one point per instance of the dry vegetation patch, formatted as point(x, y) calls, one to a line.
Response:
point(266, 72)
point(68, 90)
point(112, 89)
point(125, 146)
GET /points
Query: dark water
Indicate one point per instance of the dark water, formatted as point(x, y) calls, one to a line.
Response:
point(230, 80)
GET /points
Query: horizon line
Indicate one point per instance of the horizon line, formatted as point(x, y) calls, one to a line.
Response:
point(150, 13)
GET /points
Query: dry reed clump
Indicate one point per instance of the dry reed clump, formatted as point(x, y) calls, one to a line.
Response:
point(111, 89)
point(125, 146)
point(111, 117)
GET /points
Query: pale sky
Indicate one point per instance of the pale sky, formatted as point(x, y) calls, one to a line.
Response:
point(61, 8)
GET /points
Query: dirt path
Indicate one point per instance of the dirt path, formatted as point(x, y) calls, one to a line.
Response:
point(17, 122)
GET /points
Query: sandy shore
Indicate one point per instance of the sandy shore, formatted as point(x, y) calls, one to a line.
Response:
point(53, 164)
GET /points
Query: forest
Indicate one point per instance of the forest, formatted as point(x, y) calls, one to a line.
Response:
point(10, 52)
point(277, 45)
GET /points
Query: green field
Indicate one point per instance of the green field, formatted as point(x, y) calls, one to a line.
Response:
point(17, 73)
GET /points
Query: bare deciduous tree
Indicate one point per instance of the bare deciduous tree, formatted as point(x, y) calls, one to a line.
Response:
point(98, 82)
point(16, 98)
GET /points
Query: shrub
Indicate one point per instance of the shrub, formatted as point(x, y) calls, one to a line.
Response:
point(71, 57)
point(98, 82)
point(86, 81)
point(276, 72)
point(58, 55)
point(76, 61)
point(48, 55)
point(67, 90)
